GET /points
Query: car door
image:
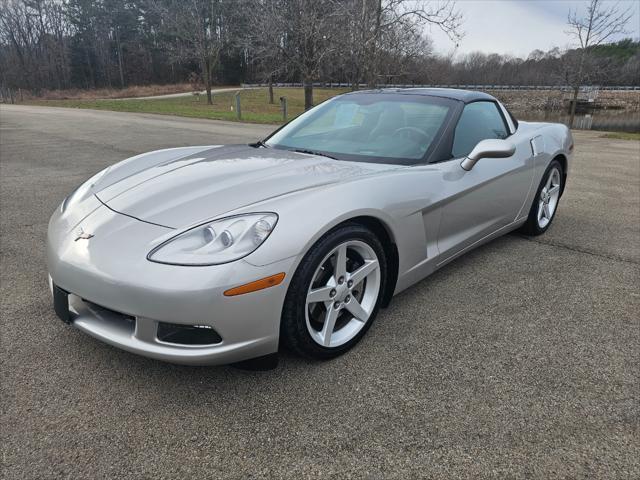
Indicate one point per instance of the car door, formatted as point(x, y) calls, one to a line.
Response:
point(487, 198)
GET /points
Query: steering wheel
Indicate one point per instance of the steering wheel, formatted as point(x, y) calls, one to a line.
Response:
point(411, 133)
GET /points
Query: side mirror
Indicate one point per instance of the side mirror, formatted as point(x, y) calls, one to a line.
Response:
point(491, 148)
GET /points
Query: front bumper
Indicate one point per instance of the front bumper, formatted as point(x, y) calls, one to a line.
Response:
point(116, 295)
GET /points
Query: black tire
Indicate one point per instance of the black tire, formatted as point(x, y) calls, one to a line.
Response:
point(531, 226)
point(293, 328)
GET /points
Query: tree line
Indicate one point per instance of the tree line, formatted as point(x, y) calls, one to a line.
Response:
point(60, 44)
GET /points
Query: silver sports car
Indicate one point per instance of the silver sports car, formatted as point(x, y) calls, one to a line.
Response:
point(218, 254)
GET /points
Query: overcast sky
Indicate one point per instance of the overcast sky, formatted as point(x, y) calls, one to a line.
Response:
point(519, 26)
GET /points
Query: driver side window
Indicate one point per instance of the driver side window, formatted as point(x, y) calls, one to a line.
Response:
point(479, 121)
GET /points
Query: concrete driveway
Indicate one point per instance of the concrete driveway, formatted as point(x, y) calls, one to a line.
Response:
point(519, 360)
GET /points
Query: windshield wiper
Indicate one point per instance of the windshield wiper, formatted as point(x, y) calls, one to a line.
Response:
point(259, 144)
point(313, 152)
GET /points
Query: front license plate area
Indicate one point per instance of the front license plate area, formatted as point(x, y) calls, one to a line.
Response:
point(61, 304)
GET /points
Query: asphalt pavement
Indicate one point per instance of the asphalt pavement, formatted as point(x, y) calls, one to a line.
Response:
point(519, 360)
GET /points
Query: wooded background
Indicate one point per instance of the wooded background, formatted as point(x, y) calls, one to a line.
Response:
point(60, 44)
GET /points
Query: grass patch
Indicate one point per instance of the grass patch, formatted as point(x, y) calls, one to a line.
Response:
point(622, 135)
point(254, 103)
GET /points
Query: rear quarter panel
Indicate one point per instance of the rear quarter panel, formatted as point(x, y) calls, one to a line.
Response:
point(549, 140)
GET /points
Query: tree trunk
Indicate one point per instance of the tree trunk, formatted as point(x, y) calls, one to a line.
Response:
point(92, 78)
point(372, 59)
point(270, 91)
point(207, 80)
point(574, 103)
point(576, 89)
point(355, 80)
point(308, 95)
point(120, 68)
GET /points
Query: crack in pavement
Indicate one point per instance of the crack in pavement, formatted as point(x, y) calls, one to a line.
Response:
point(614, 257)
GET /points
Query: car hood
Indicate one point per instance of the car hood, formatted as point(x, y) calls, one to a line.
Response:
point(208, 183)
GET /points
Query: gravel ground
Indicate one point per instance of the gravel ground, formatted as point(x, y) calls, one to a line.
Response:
point(519, 360)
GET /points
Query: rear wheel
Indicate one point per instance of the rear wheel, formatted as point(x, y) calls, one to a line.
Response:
point(335, 293)
point(546, 201)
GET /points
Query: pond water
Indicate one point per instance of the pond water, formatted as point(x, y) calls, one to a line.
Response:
point(604, 120)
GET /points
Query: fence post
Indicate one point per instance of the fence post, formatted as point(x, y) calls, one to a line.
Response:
point(283, 105)
point(238, 109)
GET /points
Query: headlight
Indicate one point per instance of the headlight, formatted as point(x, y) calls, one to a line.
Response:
point(82, 191)
point(220, 241)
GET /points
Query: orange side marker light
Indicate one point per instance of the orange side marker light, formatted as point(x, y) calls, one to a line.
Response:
point(261, 284)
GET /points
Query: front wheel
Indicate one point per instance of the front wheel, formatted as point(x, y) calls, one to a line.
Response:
point(335, 293)
point(546, 201)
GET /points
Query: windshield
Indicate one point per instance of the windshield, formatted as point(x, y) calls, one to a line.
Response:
point(374, 127)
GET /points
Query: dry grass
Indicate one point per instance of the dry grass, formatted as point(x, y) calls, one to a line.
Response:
point(107, 93)
point(622, 135)
point(255, 103)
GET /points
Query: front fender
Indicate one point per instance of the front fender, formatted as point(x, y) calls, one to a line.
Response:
point(397, 200)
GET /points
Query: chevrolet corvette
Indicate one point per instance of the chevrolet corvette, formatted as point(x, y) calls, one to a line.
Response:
point(219, 254)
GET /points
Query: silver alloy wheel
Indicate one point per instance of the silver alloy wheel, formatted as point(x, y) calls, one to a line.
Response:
point(549, 196)
point(342, 294)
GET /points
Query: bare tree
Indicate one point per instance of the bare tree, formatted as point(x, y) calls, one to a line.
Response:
point(599, 24)
point(195, 33)
point(57, 44)
point(405, 54)
point(35, 32)
point(375, 25)
point(301, 31)
point(263, 42)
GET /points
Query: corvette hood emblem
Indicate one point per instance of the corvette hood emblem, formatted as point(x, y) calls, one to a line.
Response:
point(82, 235)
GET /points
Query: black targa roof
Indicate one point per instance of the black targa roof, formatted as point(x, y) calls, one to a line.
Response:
point(465, 96)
